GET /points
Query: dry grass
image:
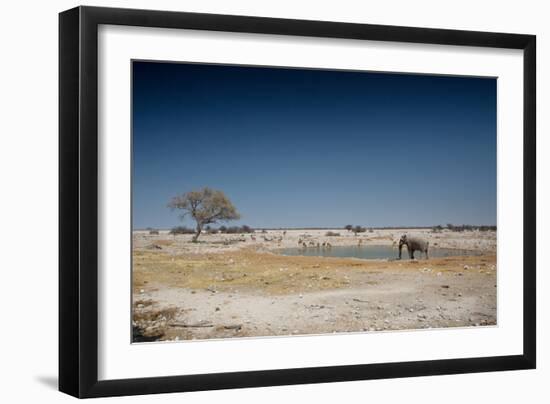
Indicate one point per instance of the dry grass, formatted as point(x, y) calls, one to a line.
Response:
point(164, 242)
point(149, 323)
point(164, 314)
point(143, 303)
point(381, 238)
point(267, 273)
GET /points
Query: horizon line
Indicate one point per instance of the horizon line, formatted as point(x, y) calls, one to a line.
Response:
point(325, 227)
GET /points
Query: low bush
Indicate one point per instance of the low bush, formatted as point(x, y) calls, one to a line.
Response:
point(238, 230)
point(246, 229)
point(437, 229)
point(469, 227)
point(331, 234)
point(234, 229)
point(181, 230)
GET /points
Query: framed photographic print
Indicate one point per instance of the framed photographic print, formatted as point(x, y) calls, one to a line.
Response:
point(250, 201)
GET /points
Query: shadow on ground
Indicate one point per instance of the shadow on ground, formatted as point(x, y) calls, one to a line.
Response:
point(48, 381)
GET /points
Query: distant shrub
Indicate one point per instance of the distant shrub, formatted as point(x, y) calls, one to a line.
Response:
point(359, 229)
point(331, 234)
point(437, 229)
point(348, 227)
point(154, 232)
point(469, 227)
point(236, 229)
point(181, 230)
point(233, 230)
point(246, 229)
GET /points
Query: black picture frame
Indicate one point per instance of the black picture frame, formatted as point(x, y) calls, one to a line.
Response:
point(78, 201)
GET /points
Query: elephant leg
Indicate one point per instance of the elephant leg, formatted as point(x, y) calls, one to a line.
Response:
point(427, 257)
point(411, 253)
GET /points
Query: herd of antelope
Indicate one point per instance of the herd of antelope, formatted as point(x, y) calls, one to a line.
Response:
point(314, 244)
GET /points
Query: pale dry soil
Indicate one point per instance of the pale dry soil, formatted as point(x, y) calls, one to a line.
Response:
point(220, 289)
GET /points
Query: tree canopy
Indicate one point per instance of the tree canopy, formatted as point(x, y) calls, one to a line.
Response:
point(205, 206)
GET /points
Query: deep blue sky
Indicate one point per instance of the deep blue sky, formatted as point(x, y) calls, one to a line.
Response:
point(314, 148)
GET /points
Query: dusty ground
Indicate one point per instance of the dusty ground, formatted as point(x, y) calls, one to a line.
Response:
point(232, 285)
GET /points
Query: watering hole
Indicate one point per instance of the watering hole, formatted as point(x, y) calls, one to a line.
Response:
point(370, 252)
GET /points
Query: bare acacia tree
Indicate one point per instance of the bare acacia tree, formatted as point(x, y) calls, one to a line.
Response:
point(205, 206)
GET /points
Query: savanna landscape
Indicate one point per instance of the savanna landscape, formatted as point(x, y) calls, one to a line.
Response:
point(273, 201)
point(241, 285)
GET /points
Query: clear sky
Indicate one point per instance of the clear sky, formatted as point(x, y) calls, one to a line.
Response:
point(314, 148)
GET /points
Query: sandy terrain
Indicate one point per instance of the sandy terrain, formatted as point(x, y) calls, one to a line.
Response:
point(273, 239)
point(235, 286)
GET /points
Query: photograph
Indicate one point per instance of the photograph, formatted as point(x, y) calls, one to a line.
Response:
point(270, 201)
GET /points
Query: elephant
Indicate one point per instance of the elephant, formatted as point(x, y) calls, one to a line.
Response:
point(413, 244)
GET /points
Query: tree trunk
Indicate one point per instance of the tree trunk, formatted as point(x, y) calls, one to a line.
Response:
point(198, 233)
